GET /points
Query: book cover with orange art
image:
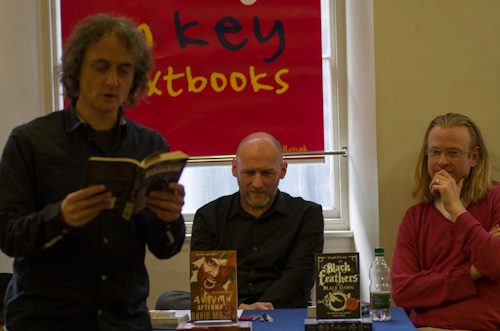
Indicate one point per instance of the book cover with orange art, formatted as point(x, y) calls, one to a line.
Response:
point(214, 290)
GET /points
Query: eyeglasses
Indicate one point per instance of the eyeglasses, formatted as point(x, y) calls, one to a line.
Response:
point(450, 153)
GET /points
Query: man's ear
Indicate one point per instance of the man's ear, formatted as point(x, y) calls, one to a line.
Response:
point(475, 154)
point(234, 168)
point(284, 166)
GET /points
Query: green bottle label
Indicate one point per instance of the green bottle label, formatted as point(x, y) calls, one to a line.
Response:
point(380, 300)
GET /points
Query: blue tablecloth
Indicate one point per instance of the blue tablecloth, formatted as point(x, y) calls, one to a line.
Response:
point(293, 320)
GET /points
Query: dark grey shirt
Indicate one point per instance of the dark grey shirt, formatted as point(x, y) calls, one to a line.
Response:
point(88, 278)
point(275, 252)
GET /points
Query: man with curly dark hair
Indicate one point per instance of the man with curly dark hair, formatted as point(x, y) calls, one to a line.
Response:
point(77, 264)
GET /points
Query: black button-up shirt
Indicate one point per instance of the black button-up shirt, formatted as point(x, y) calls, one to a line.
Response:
point(275, 252)
point(87, 278)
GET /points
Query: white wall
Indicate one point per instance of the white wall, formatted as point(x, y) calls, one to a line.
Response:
point(21, 78)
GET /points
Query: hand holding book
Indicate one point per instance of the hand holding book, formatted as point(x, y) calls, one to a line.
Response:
point(167, 205)
point(80, 207)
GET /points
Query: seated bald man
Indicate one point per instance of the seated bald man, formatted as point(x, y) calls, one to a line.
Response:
point(275, 235)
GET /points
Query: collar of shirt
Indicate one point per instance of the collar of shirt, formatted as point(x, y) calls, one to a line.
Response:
point(278, 206)
point(73, 121)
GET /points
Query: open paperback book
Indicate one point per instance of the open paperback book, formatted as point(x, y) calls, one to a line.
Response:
point(130, 180)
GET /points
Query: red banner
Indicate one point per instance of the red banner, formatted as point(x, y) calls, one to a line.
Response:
point(224, 69)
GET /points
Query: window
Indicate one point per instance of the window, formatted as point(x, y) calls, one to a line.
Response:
point(322, 181)
point(318, 181)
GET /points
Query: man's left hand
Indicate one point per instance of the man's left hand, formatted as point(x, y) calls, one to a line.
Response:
point(167, 205)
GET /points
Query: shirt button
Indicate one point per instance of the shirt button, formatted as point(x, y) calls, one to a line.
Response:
point(105, 241)
point(99, 312)
point(255, 249)
point(104, 278)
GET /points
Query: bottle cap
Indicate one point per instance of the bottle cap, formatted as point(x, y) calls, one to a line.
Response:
point(379, 251)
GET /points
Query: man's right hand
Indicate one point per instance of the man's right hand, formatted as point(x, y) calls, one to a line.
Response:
point(82, 206)
point(257, 306)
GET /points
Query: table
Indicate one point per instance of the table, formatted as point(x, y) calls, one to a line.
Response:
point(293, 320)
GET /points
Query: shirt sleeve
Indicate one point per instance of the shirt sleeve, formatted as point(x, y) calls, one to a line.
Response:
point(415, 287)
point(24, 230)
point(478, 244)
point(293, 288)
point(165, 240)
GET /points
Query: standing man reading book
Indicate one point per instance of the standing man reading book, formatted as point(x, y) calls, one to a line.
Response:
point(77, 264)
point(275, 235)
point(446, 264)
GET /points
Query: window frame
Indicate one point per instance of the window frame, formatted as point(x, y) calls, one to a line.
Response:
point(338, 92)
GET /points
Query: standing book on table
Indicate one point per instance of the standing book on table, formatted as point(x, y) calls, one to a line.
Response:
point(214, 290)
point(337, 286)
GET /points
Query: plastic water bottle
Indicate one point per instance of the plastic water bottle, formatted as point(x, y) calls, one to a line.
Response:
point(380, 288)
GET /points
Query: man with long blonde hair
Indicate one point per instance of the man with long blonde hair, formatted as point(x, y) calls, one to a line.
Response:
point(446, 265)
